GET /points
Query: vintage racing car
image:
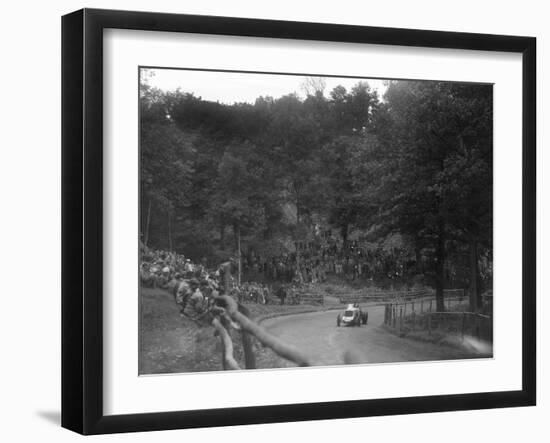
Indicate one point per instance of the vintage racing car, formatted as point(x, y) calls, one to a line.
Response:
point(352, 316)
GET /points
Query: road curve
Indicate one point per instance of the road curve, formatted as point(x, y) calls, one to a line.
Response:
point(325, 344)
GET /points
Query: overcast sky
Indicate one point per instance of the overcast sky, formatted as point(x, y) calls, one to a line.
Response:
point(229, 87)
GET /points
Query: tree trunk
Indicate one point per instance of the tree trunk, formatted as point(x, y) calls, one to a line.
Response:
point(239, 255)
point(473, 275)
point(298, 240)
point(419, 268)
point(298, 262)
point(440, 272)
point(170, 245)
point(344, 234)
point(147, 223)
point(222, 236)
point(480, 289)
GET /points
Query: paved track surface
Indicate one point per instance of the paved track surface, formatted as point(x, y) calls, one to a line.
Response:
point(317, 335)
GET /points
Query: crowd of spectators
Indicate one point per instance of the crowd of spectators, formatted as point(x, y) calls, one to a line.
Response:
point(315, 261)
point(159, 268)
point(281, 276)
point(192, 283)
point(311, 262)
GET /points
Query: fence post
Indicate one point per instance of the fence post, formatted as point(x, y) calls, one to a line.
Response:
point(246, 340)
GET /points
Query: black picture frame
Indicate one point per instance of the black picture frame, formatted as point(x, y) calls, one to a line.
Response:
point(82, 216)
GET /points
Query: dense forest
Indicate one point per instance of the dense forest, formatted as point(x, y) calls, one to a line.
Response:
point(412, 169)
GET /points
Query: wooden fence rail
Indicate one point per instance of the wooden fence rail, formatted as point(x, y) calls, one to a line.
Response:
point(386, 296)
point(396, 317)
point(227, 314)
point(479, 324)
point(311, 298)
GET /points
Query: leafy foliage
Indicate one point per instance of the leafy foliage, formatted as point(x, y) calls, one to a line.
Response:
point(417, 163)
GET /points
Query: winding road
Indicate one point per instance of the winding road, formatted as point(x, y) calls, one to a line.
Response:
point(317, 335)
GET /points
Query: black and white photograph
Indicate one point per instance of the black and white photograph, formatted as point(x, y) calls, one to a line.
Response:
point(292, 220)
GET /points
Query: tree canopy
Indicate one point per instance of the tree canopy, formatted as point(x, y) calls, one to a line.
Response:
point(416, 163)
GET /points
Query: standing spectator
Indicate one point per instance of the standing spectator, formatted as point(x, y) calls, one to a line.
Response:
point(226, 278)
